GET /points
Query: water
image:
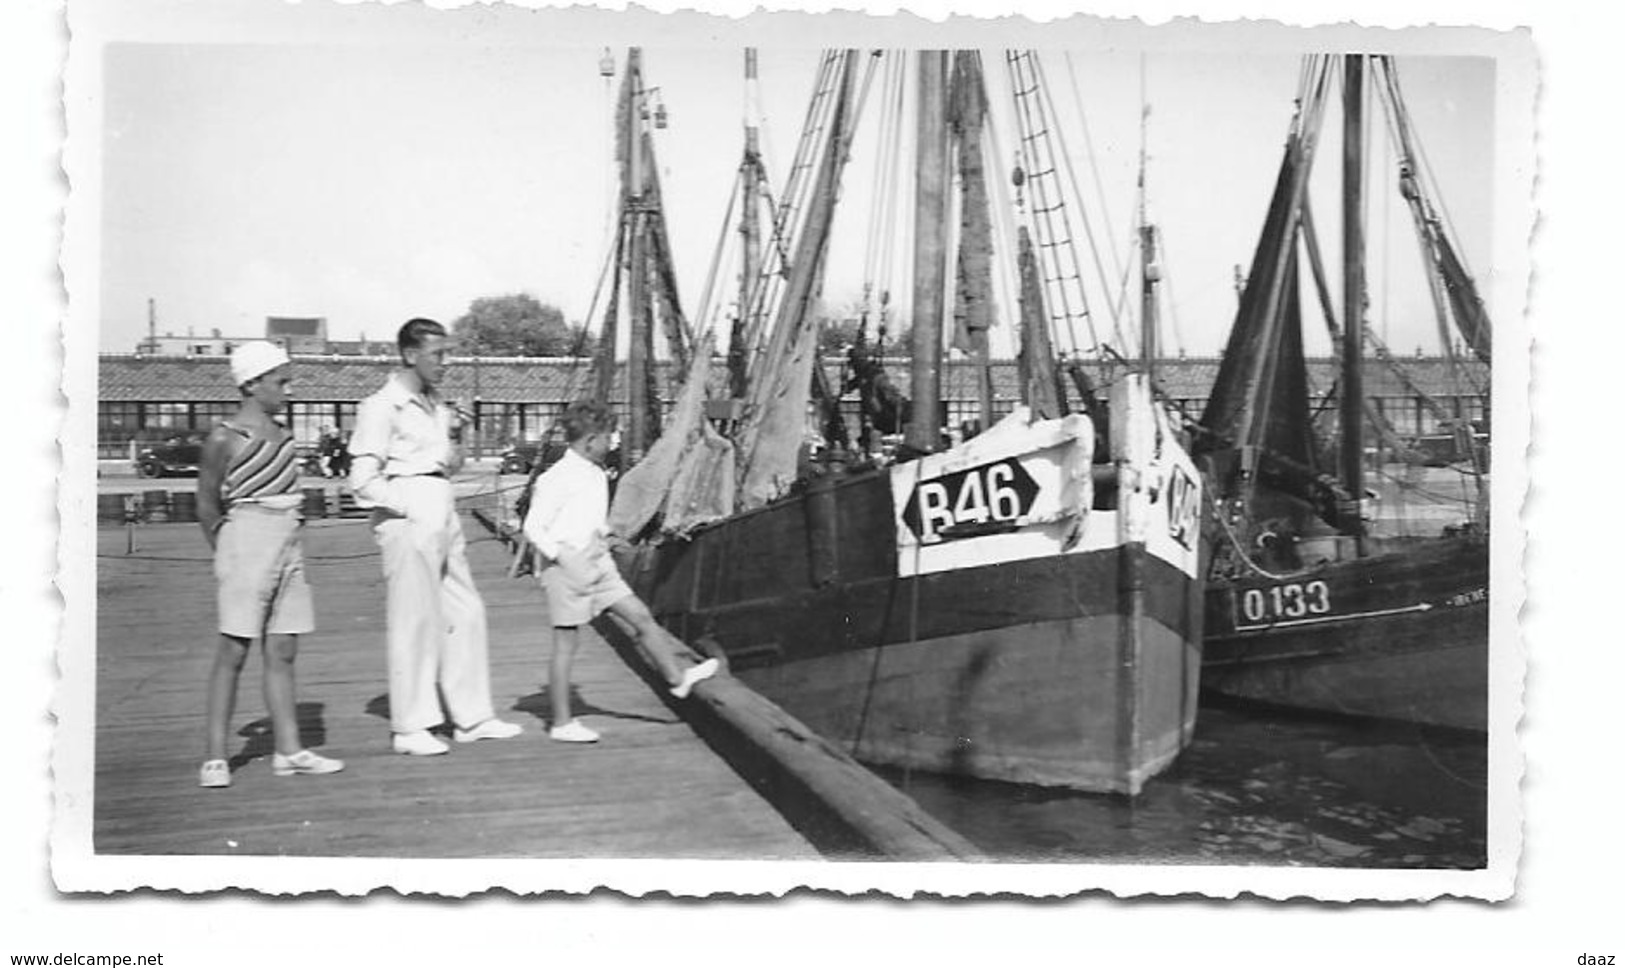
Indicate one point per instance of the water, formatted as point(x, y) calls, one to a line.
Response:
point(1255, 787)
point(1264, 786)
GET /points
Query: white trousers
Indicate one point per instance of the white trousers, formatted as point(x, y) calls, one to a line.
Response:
point(436, 618)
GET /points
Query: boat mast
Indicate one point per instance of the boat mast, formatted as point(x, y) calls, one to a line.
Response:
point(1149, 272)
point(775, 410)
point(1035, 361)
point(1448, 280)
point(1300, 155)
point(930, 252)
point(973, 296)
point(1447, 276)
point(603, 363)
point(1353, 289)
point(750, 233)
point(637, 351)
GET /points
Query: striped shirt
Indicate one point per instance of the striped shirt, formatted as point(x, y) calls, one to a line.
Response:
point(262, 469)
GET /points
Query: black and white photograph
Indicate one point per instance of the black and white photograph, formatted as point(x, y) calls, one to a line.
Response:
point(992, 454)
point(551, 451)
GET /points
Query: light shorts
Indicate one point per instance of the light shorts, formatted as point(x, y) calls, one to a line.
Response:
point(570, 604)
point(261, 573)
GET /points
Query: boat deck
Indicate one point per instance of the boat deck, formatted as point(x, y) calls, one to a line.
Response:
point(651, 788)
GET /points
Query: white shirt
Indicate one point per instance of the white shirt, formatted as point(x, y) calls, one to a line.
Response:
point(569, 507)
point(405, 433)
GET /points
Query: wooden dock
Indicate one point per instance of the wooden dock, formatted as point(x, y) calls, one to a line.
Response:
point(652, 788)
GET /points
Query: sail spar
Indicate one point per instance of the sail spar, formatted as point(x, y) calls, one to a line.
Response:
point(1258, 424)
point(1260, 396)
point(642, 281)
point(771, 432)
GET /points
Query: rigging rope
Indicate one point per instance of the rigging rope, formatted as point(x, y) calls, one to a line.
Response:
point(1438, 497)
point(703, 317)
point(894, 185)
point(768, 289)
point(1115, 311)
point(1029, 129)
point(464, 500)
point(1119, 265)
point(611, 256)
point(1005, 227)
point(884, 181)
point(1164, 263)
point(1413, 137)
point(1432, 218)
point(1246, 558)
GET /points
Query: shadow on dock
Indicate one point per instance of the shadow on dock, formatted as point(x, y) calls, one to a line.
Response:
point(722, 775)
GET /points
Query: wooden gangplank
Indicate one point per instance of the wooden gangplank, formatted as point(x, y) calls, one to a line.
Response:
point(840, 805)
point(652, 788)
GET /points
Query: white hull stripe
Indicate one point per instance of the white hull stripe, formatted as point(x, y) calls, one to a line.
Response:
point(1328, 619)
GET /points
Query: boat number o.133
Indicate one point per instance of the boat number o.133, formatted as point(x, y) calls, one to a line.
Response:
point(978, 500)
point(1289, 601)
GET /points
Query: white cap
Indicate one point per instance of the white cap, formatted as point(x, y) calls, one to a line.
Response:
point(255, 359)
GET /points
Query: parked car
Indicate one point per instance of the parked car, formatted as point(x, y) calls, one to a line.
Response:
point(310, 462)
point(1449, 446)
point(177, 455)
point(523, 458)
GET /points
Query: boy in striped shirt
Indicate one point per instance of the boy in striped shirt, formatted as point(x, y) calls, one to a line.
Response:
point(248, 503)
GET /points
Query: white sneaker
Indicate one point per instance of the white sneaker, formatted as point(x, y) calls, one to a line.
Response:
point(304, 761)
point(573, 731)
point(214, 774)
point(420, 743)
point(692, 675)
point(490, 729)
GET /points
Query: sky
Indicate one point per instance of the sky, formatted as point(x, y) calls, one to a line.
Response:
point(368, 180)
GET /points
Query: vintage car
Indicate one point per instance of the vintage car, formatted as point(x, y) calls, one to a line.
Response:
point(524, 457)
point(177, 455)
point(1450, 446)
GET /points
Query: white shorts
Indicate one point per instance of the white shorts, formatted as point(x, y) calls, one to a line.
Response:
point(570, 602)
point(261, 573)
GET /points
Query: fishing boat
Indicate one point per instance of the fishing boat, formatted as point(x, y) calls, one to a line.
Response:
point(1021, 602)
point(1306, 606)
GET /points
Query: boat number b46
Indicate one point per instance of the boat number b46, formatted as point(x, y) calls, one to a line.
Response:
point(1183, 498)
point(978, 500)
point(1294, 600)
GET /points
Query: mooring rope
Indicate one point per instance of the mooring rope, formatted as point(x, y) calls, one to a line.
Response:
point(1247, 558)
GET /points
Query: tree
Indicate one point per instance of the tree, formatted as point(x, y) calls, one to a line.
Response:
point(835, 335)
point(839, 332)
point(517, 325)
point(582, 341)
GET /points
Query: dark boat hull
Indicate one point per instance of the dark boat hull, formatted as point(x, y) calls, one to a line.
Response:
point(1402, 635)
point(1077, 669)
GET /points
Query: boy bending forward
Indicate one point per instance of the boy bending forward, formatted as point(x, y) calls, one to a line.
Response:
point(567, 522)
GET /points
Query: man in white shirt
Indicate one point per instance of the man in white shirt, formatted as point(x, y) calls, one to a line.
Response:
point(567, 523)
point(404, 451)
